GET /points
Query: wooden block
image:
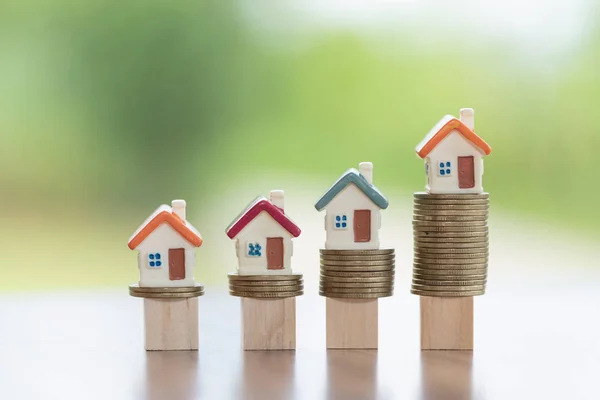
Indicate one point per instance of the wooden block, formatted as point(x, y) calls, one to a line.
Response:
point(171, 324)
point(351, 323)
point(269, 324)
point(446, 323)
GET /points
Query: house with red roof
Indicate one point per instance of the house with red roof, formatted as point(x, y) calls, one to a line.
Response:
point(165, 243)
point(453, 155)
point(263, 235)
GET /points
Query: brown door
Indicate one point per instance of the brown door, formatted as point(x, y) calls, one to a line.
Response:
point(275, 253)
point(362, 225)
point(176, 264)
point(466, 172)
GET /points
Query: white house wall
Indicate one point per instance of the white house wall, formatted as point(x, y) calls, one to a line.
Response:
point(257, 231)
point(160, 241)
point(449, 149)
point(348, 200)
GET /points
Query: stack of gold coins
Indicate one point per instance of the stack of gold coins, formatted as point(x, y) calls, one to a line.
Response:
point(451, 244)
point(357, 274)
point(166, 292)
point(266, 286)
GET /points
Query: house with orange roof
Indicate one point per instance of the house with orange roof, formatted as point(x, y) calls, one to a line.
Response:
point(165, 243)
point(453, 155)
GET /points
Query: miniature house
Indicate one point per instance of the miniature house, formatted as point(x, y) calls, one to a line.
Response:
point(453, 155)
point(166, 242)
point(263, 235)
point(353, 204)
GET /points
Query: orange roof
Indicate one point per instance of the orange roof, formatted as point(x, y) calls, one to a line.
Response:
point(164, 214)
point(443, 129)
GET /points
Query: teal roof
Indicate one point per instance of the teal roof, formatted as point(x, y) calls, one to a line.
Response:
point(352, 176)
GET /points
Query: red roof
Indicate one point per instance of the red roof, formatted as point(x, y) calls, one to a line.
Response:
point(253, 210)
point(443, 129)
point(164, 214)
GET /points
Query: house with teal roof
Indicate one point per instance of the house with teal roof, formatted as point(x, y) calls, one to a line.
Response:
point(353, 210)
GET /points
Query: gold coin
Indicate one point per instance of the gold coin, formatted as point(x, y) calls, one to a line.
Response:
point(452, 261)
point(166, 295)
point(448, 241)
point(358, 274)
point(357, 263)
point(459, 224)
point(353, 289)
point(389, 278)
point(266, 283)
point(355, 268)
point(451, 213)
point(470, 252)
point(430, 202)
point(423, 235)
point(179, 289)
point(433, 215)
point(449, 277)
point(444, 196)
point(327, 285)
point(385, 257)
point(449, 219)
point(427, 282)
point(376, 252)
point(427, 230)
point(254, 289)
point(234, 276)
point(433, 288)
point(450, 271)
point(447, 294)
point(356, 295)
point(458, 265)
point(266, 295)
point(451, 208)
point(451, 245)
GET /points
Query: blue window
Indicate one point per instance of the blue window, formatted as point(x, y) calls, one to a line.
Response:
point(445, 168)
point(254, 250)
point(154, 260)
point(341, 221)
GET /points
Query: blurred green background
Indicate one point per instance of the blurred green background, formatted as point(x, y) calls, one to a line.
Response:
point(110, 108)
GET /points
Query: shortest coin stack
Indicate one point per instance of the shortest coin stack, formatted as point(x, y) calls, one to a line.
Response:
point(266, 286)
point(166, 292)
point(357, 274)
point(451, 244)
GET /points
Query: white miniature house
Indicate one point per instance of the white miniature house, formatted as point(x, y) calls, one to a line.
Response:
point(263, 237)
point(352, 210)
point(166, 242)
point(453, 155)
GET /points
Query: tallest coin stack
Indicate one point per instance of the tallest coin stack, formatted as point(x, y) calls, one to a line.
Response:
point(451, 244)
point(450, 228)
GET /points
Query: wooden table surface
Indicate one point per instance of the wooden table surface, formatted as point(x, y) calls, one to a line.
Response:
point(543, 344)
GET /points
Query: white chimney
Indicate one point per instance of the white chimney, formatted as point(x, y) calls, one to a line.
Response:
point(467, 117)
point(178, 207)
point(366, 170)
point(276, 198)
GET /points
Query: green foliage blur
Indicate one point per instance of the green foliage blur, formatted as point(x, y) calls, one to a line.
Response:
point(110, 108)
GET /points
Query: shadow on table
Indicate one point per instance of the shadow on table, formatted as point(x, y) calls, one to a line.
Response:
point(171, 375)
point(351, 374)
point(267, 375)
point(446, 375)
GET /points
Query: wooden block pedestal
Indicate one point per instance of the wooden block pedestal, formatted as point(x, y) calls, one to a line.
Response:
point(446, 323)
point(170, 316)
point(268, 309)
point(268, 324)
point(171, 324)
point(351, 323)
